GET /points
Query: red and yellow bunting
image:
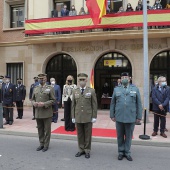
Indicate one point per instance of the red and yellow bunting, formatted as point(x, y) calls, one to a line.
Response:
point(76, 23)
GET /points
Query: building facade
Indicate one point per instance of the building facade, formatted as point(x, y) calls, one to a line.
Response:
point(68, 54)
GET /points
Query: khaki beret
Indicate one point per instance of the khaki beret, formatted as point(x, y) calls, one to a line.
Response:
point(41, 75)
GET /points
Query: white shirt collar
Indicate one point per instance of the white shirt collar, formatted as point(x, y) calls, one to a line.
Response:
point(82, 88)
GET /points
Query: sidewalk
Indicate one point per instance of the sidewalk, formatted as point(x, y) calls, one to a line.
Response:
point(27, 127)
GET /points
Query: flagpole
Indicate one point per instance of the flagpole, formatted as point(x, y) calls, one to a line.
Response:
point(145, 57)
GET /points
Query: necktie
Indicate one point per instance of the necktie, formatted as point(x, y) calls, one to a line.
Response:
point(6, 86)
point(82, 90)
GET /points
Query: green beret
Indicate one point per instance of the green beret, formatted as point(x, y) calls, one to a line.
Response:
point(19, 78)
point(82, 75)
point(1, 77)
point(124, 74)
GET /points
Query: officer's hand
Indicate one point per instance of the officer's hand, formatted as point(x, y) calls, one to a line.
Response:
point(113, 119)
point(40, 104)
point(30, 99)
point(58, 102)
point(13, 103)
point(161, 107)
point(35, 104)
point(73, 120)
point(62, 105)
point(22, 101)
point(138, 120)
point(93, 120)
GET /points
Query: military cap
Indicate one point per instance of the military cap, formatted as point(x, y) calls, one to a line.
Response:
point(124, 74)
point(82, 76)
point(41, 75)
point(7, 76)
point(35, 78)
point(19, 78)
point(1, 77)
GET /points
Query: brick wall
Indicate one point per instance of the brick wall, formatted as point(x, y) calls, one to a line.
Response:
point(9, 36)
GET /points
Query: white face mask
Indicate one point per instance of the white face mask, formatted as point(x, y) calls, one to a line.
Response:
point(7, 80)
point(53, 82)
point(82, 83)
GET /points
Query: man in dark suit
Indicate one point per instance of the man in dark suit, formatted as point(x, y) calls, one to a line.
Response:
point(36, 83)
point(20, 97)
point(58, 99)
point(64, 11)
point(160, 101)
point(8, 99)
point(1, 108)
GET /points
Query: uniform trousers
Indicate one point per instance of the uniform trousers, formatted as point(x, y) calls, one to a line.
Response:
point(162, 122)
point(84, 133)
point(8, 112)
point(44, 131)
point(20, 108)
point(124, 137)
point(67, 116)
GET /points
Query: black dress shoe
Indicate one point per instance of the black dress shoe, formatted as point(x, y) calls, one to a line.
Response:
point(18, 117)
point(10, 123)
point(79, 154)
point(40, 148)
point(44, 149)
point(6, 123)
point(120, 157)
point(62, 119)
point(87, 155)
point(33, 118)
point(129, 158)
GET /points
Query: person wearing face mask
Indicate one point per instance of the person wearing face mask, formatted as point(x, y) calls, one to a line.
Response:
point(148, 5)
point(125, 110)
point(8, 99)
point(1, 108)
point(129, 7)
point(160, 100)
point(64, 11)
point(20, 97)
point(43, 98)
point(84, 114)
point(139, 7)
point(66, 102)
point(157, 5)
point(121, 9)
point(58, 99)
point(73, 11)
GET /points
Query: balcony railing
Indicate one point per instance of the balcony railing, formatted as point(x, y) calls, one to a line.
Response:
point(123, 20)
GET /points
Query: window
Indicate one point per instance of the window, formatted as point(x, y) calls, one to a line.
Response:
point(17, 16)
point(15, 70)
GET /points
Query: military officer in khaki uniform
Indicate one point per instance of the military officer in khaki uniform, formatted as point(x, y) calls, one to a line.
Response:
point(125, 110)
point(43, 98)
point(84, 113)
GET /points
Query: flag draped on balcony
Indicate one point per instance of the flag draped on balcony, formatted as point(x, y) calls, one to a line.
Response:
point(97, 9)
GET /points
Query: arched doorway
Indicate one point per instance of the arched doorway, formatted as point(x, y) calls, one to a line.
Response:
point(60, 66)
point(160, 66)
point(108, 69)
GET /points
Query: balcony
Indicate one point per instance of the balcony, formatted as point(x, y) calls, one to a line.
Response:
point(125, 25)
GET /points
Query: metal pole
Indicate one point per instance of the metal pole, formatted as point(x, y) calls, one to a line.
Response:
point(1, 116)
point(145, 56)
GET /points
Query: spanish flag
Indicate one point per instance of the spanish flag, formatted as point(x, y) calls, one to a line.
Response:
point(97, 9)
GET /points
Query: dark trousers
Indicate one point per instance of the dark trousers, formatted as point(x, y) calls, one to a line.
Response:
point(55, 113)
point(20, 108)
point(67, 116)
point(33, 111)
point(156, 122)
point(8, 112)
point(44, 131)
point(124, 137)
point(84, 133)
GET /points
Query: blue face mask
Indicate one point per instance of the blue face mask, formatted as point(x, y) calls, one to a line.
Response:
point(163, 84)
point(1, 81)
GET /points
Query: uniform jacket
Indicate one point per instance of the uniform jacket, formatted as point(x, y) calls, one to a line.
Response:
point(67, 92)
point(44, 94)
point(9, 94)
point(32, 89)
point(20, 92)
point(57, 93)
point(160, 97)
point(84, 106)
point(126, 105)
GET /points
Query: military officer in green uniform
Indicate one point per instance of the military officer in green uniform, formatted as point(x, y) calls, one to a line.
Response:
point(125, 110)
point(43, 98)
point(84, 114)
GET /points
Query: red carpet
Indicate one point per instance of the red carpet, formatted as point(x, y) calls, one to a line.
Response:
point(95, 132)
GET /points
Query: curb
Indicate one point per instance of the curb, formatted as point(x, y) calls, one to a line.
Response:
point(94, 139)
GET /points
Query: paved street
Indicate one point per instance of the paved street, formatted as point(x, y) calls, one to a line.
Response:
point(19, 153)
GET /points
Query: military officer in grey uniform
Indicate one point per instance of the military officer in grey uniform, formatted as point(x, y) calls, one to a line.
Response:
point(84, 114)
point(125, 110)
point(43, 98)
